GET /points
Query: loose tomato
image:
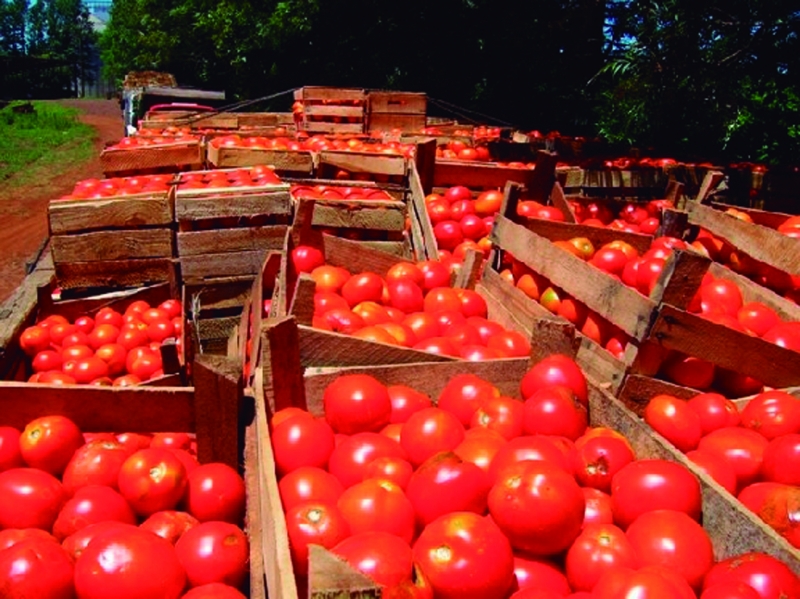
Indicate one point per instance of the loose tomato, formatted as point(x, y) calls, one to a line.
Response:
point(596, 460)
point(781, 511)
point(537, 448)
point(306, 258)
point(554, 410)
point(555, 370)
point(465, 556)
point(479, 447)
point(48, 443)
point(363, 287)
point(598, 507)
point(715, 411)
point(464, 394)
point(152, 480)
point(90, 505)
point(772, 413)
point(406, 295)
point(406, 401)
point(309, 484)
point(313, 523)
point(10, 456)
point(29, 498)
point(351, 457)
point(214, 552)
point(357, 403)
point(674, 420)
point(301, 441)
point(375, 505)
point(36, 568)
point(597, 549)
point(771, 578)
point(742, 448)
point(120, 563)
point(716, 467)
point(11, 536)
point(383, 557)
point(782, 460)
point(34, 339)
point(169, 525)
point(215, 492)
point(501, 414)
point(429, 431)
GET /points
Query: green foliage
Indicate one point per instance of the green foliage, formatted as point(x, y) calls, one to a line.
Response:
point(30, 142)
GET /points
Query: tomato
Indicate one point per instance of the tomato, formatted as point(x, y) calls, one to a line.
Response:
point(501, 414)
point(429, 431)
point(722, 295)
point(769, 577)
point(757, 318)
point(782, 460)
point(557, 369)
point(715, 411)
point(472, 303)
point(152, 480)
point(436, 274)
point(742, 448)
point(103, 334)
point(214, 590)
point(785, 334)
point(309, 484)
point(479, 447)
point(674, 420)
point(772, 413)
point(214, 552)
point(36, 568)
point(527, 448)
point(169, 525)
point(405, 271)
point(134, 441)
point(357, 403)
point(406, 295)
point(465, 556)
point(651, 582)
point(120, 563)
point(755, 496)
point(611, 260)
point(378, 505)
point(597, 549)
point(598, 507)
point(647, 485)
point(330, 278)
point(11, 536)
point(48, 443)
point(597, 460)
point(383, 557)
point(730, 590)
point(781, 511)
point(341, 321)
point(554, 410)
point(488, 202)
point(406, 401)
point(29, 498)
point(313, 523)
point(34, 339)
point(89, 505)
point(716, 467)
point(464, 394)
point(172, 307)
point(48, 360)
point(302, 441)
point(423, 325)
point(10, 455)
point(538, 574)
point(306, 258)
point(363, 287)
point(350, 458)
point(215, 492)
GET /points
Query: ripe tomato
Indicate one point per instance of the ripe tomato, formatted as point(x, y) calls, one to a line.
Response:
point(596, 460)
point(715, 411)
point(34, 339)
point(503, 415)
point(134, 441)
point(423, 325)
point(169, 525)
point(77, 542)
point(102, 334)
point(771, 578)
point(674, 540)
point(785, 334)
point(511, 344)
point(214, 590)
point(301, 441)
point(36, 568)
point(647, 485)
point(313, 523)
point(465, 556)
point(29, 498)
point(598, 507)
point(536, 574)
point(406, 401)
point(730, 590)
point(357, 403)
point(781, 511)
point(597, 549)
point(48, 443)
point(306, 258)
point(405, 271)
point(538, 506)
point(309, 484)
point(757, 318)
point(554, 410)
point(90, 505)
point(782, 460)
point(479, 447)
point(121, 561)
point(742, 448)
point(11, 536)
point(10, 456)
point(722, 295)
point(214, 552)
point(377, 505)
point(527, 448)
point(406, 295)
point(152, 480)
point(351, 457)
point(716, 467)
point(653, 582)
point(674, 420)
point(446, 483)
point(429, 431)
point(215, 492)
point(363, 287)
point(772, 413)
point(464, 394)
point(383, 557)
point(557, 369)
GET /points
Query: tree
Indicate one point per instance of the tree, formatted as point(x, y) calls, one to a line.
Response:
point(12, 27)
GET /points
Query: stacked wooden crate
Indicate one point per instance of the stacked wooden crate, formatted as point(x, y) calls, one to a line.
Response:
point(396, 111)
point(332, 109)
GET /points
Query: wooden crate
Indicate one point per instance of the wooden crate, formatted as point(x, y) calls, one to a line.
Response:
point(226, 232)
point(285, 162)
point(121, 241)
point(386, 168)
point(644, 182)
point(732, 530)
point(171, 157)
point(333, 110)
point(404, 111)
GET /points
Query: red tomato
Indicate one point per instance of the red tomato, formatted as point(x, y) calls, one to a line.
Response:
point(674, 420)
point(34, 339)
point(785, 334)
point(757, 318)
point(557, 369)
point(465, 556)
point(771, 578)
point(152, 480)
point(301, 441)
point(730, 590)
point(716, 467)
point(172, 307)
point(120, 563)
point(91, 505)
point(406, 401)
point(350, 459)
point(36, 568)
point(363, 287)
point(309, 484)
point(377, 505)
point(674, 540)
point(689, 371)
point(134, 441)
point(598, 507)
point(538, 506)
point(423, 325)
point(405, 271)
point(313, 523)
point(214, 590)
point(772, 413)
point(722, 295)
point(536, 574)
point(501, 414)
point(392, 469)
point(597, 460)
point(742, 448)
point(29, 498)
point(357, 403)
point(48, 443)
point(10, 456)
point(169, 525)
point(214, 552)
point(436, 274)
point(782, 460)
point(11, 536)
point(599, 548)
point(781, 511)
point(76, 543)
point(527, 448)
point(554, 410)
point(429, 431)
point(479, 447)
point(215, 492)
point(652, 582)
point(446, 483)
point(472, 303)
point(103, 334)
point(406, 295)
point(383, 557)
point(647, 485)
point(306, 258)
point(715, 411)
point(464, 394)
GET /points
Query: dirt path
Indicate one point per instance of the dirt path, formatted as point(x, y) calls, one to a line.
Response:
point(23, 210)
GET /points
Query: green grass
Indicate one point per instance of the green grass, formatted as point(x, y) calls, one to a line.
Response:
point(47, 141)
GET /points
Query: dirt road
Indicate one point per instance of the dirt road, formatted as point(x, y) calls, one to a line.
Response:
point(23, 210)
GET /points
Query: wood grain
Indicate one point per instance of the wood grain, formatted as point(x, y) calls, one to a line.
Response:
point(198, 243)
point(597, 362)
point(478, 176)
point(364, 162)
point(114, 161)
point(360, 214)
point(72, 216)
point(188, 208)
point(355, 257)
point(217, 405)
point(114, 273)
point(196, 269)
point(112, 245)
point(429, 249)
point(331, 577)
point(753, 292)
point(281, 364)
point(282, 160)
point(638, 390)
point(254, 514)
point(559, 200)
point(397, 102)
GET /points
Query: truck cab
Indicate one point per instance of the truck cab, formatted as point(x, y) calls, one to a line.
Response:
point(178, 101)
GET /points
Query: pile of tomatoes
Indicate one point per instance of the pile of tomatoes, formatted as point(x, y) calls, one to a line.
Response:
point(461, 222)
point(254, 176)
point(753, 454)
point(412, 306)
point(128, 143)
point(130, 515)
point(107, 348)
point(314, 143)
point(335, 192)
point(482, 495)
point(92, 189)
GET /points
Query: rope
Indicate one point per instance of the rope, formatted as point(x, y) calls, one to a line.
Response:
point(462, 112)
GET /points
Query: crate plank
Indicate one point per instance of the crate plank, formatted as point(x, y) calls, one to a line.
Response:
point(243, 263)
point(199, 207)
point(282, 160)
point(254, 519)
point(379, 215)
point(752, 291)
point(599, 236)
point(333, 110)
point(145, 158)
point(341, 94)
point(398, 102)
point(364, 162)
point(388, 122)
point(198, 243)
point(217, 405)
point(478, 175)
point(638, 390)
point(112, 245)
point(429, 249)
point(334, 128)
point(115, 273)
point(72, 216)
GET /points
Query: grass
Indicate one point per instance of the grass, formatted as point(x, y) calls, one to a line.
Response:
point(48, 141)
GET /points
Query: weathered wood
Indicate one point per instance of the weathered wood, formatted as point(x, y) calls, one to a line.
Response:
point(353, 256)
point(73, 216)
point(254, 514)
point(198, 243)
point(637, 391)
point(709, 184)
point(544, 176)
point(282, 160)
point(281, 363)
point(333, 128)
point(144, 158)
point(217, 405)
point(425, 163)
point(478, 175)
point(598, 363)
point(681, 278)
point(114, 273)
point(771, 220)
point(302, 307)
point(364, 162)
point(196, 269)
point(673, 223)
point(199, 207)
point(333, 110)
point(310, 93)
point(380, 215)
point(430, 249)
point(397, 102)
point(470, 270)
point(599, 236)
point(331, 577)
point(559, 200)
point(129, 244)
point(753, 292)
point(389, 122)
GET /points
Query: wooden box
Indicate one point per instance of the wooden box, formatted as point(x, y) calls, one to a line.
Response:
point(333, 110)
point(170, 157)
point(284, 161)
point(390, 111)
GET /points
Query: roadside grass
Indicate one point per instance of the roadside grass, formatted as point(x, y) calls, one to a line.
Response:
point(45, 142)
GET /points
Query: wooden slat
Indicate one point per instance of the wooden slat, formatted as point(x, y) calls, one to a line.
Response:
point(330, 577)
point(753, 292)
point(364, 162)
point(352, 256)
point(189, 208)
point(637, 391)
point(280, 363)
point(771, 220)
point(334, 110)
point(143, 158)
point(313, 92)
point(597, 362)
point(71, 216)
point(398, 102)
point(217, 405)
point(112, 245)
point(254, 519)
point(430, 249)
point(333, 128)
point(282, 160)
point(476, 175)
point(599, 236)
point(114, 273)
point(243, 263)
point(559, 200)
point(197, 243)
point(544, 176)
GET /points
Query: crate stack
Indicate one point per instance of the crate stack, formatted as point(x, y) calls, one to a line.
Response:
point(332, 110)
